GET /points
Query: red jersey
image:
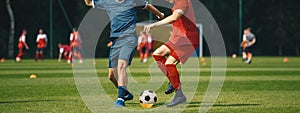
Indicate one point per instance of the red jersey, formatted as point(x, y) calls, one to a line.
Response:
point(184, 29)
point(75, 40)
point(21, 41)
point(41, 40)
point(65, 48)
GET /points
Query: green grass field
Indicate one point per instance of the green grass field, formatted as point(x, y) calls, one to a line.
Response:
point(267, 85)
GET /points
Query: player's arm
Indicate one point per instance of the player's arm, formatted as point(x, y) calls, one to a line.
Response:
point(155, 11)
point(61, 50)
point(252, 42)
point(26, 46)
point(24, 41)
point(46, 42)
point(88, 2)
point(59, 57)
point(168, 20)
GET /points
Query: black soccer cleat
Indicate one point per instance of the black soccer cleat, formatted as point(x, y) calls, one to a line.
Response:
point(170, 89)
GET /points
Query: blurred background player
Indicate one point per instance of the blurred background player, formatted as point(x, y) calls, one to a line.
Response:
point(143, 47)
point(66, 51)
point(248, 41)
point(150, 44)
point(41, 41)
point(75, 43)
point(22, 43)
point(122, 14)
point(182, 43)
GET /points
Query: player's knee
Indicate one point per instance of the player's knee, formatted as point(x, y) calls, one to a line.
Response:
point(171, 60)
point(122, 64)
point(156, 53)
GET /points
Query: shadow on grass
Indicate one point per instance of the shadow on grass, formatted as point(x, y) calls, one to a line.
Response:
point(197, 104)
point(25, 101)
point(135, 104)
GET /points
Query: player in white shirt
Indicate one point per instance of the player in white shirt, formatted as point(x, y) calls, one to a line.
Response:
point(22, 43)
point(41, 45)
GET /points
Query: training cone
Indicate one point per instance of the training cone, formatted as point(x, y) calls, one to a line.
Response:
point(146, 105)
point(2, 59)
point(32, 76)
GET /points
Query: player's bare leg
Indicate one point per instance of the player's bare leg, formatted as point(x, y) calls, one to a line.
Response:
point(244, 56)
point(249, 58)
point(112, 77)
point(123, 93)
point(122, 75)
point(36, 56)
point(42, 55)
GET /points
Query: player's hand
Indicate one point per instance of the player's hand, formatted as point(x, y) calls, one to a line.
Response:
point(88, 2)
point(147, 28)
point(27, 47)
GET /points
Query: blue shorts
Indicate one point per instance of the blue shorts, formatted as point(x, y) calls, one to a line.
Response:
point(40, 49)
point(248, 49)
point(123, 48)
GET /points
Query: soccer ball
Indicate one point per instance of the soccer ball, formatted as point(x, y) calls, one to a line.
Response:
point(234, 56)
point(18, 59)
point(148, 98)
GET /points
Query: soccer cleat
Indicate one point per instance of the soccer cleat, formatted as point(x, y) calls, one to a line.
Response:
point(170, 89)
point(177, 100)
point(248, 61)
point(129, 96)
point(145, 60)
point(119, 103)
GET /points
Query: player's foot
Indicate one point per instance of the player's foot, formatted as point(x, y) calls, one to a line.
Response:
point(170, 89)
point(119, 103)
point(248, 61)
point(178, 99)
point(145, 60)
point(80, 61)
point(129, 96)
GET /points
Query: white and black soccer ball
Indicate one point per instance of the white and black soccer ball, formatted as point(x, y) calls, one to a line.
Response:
point(148, 97)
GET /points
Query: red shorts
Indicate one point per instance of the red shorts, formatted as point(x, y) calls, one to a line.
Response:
point(181, 52)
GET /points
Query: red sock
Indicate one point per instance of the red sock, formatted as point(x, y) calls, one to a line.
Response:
point(36, 56)
point(173, 76)
point(161, 60)
point(42, 56)
point(20, 54)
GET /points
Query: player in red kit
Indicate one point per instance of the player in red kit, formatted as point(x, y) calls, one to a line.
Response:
point(143, 47)
point(182, 43)
point(66, 51)
point(41, 45)
point(75, 43)
point(22, 43)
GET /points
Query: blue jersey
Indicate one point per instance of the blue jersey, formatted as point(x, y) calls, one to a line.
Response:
point(122, 14)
